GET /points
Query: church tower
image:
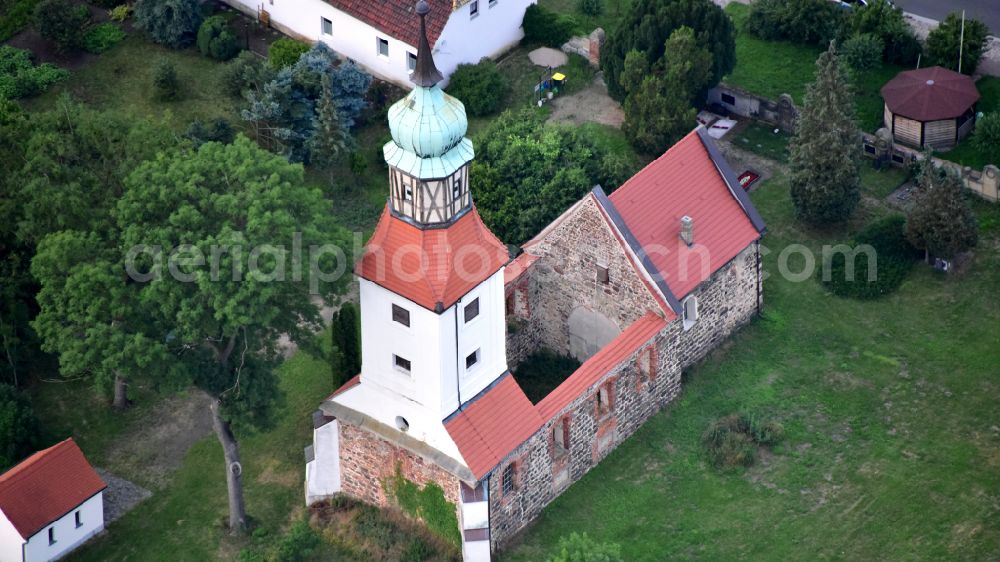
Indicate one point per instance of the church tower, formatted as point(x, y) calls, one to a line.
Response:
point(433, 324)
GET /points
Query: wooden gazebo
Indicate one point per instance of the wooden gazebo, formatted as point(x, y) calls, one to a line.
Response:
point(930, 107)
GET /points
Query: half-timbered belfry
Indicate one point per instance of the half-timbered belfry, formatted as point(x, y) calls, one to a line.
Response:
point(429, 154)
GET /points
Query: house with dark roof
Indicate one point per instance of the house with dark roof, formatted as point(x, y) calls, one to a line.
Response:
point(380, 35)
point(50, 504)
point(638, 285)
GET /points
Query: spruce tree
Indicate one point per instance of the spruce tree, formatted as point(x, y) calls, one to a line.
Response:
point(824, 163)
point(941, 222)
point(330, 139)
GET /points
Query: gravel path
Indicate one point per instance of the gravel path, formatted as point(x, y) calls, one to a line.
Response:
point(120, 496)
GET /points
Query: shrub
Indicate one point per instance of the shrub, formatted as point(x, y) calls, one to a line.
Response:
point(173, 23)
point(18, 427)
point(886, 21)
point(15, 15)
point(216, 130)
point(62, 23)
point(941, 221)
point(544, 26)
point(216, 40)
point(943, 43)
point(120, 13)
point(285, 52)
point(359, 164)
point(102, 37)
point(894, 257)
point(165, 84)
point(542, 371)
point(581, 548)
point(591, 7)
point(20, 78)
point(802, 21)
point(247, 70)
point(480, 86)
point(863, 52)
point(298, 545)
point(733, 440)
point(986, 137)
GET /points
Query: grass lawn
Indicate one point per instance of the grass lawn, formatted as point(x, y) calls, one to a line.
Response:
point(892, 447)
point(613, 11)
point(989, 102)
point(761, 139)
point(880, 183)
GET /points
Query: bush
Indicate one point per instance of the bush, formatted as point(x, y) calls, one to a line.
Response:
point(733, 440)
point(863, 52)
point(943, 43)
point(581, 548)
point(18, 427)
point(216, 130)
point(216, 40)
point(173, 23)
point(886, 21)
point(986, 137)
point(544, 26)
point(285, 52)
point(120, 13)
point(15, 15)
point(813, 22)
point(102, 37)
point(591, 7)
point(62, 23)
point(247, 70)
point(894, 257)
point(20, 78)
point(480, 86)
point(166, 86)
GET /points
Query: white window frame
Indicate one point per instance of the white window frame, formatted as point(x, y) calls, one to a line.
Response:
point(379, 41)
point(400, 368)
point(479, 310)
point(493, 3)
point(323, 21)
point(479, 359)
point(473, 9)
point(392, 315)
point(690, 302)
point(77, 519)
point(411, 62)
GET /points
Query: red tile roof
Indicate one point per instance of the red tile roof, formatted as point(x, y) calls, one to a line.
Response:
point(354, 381)
point(930, 94)
point(397, 18)
point(518, 266)
point(455, 259)
point(493, 425)
point(685, 181)
point(628, 342)
point(47, 486)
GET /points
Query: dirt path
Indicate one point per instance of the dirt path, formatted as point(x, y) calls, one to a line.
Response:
point(592, 104)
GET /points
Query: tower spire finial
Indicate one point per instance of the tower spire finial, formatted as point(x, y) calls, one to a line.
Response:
point(425, 74)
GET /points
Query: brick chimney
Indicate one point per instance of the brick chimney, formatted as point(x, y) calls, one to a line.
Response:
point(687, 230)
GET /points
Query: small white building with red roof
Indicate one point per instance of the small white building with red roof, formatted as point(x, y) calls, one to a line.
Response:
point(50, 504)
point(637, 285)
point(380, 35)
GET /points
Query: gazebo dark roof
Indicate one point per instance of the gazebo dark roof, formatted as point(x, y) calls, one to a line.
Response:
point(930, 94)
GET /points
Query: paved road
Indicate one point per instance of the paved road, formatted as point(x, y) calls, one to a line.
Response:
point(987, 11)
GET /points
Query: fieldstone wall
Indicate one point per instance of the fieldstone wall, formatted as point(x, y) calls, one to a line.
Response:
point(367, 460)
point(566, 277)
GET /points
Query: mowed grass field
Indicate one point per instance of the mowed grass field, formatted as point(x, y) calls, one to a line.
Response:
point(892, 447)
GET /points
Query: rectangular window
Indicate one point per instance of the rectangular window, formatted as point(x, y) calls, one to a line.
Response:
point(493, 3)
point(411, 62)
point(690, 312)
point(473, 8)
point(456, 189)
point(604, 398)
point(560, 434)
point(79, 520)
point(507, 483)
point(603, 277)
point(327, 26)
point(401, 364)
point(472, 495)
point(52, 535)
point(472, 359)
point(383, 47)
point(407, 193)
point(472, 310)
point(401, 315)
point(728, 99)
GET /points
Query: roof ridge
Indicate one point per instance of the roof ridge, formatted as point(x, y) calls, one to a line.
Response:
point(33, 461)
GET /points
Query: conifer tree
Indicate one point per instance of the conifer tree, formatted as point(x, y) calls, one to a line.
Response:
point(825, 176)
point(941, 222)
point(345, 337)
point(331, 138)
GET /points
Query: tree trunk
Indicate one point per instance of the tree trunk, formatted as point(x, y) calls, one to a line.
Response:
point(234, 471)
point(121, 393)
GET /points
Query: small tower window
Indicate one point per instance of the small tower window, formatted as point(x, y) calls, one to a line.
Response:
point(471, 360)
point(473, 8)
point(407, 193)
point(401, 364)
point(52, 535)
point(78, 520)
point(456, 189)
point(400, 315)
point(411, 62)
point(472, 310)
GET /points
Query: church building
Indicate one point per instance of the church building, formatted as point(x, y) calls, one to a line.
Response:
point(638, 285)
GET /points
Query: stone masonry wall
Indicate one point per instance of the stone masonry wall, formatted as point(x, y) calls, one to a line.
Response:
point(367, 460)
point(565, 277)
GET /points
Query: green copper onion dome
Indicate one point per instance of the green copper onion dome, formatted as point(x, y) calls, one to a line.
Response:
point(428, 126)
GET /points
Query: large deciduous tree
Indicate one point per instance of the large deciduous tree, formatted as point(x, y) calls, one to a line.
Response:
point(824, 163)
point(230, 218)
point(941, 222)
point(948, 40)
point(647, 26)
point(173, 23)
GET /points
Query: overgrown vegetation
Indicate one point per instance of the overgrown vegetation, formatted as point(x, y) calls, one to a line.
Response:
point(15, 15)
point(173, 23)
point(544, 26)
point(426, 503)
point(953, 36)
point(579, 547)
point(285, 52)
point(20, 78)
point(542, 371)
point(216, 40)
point(479, 86)
point(62, 22)
point(853, 271)
point(102, 37)
point(18, 427)
point(733, 440)
point(814, 22)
